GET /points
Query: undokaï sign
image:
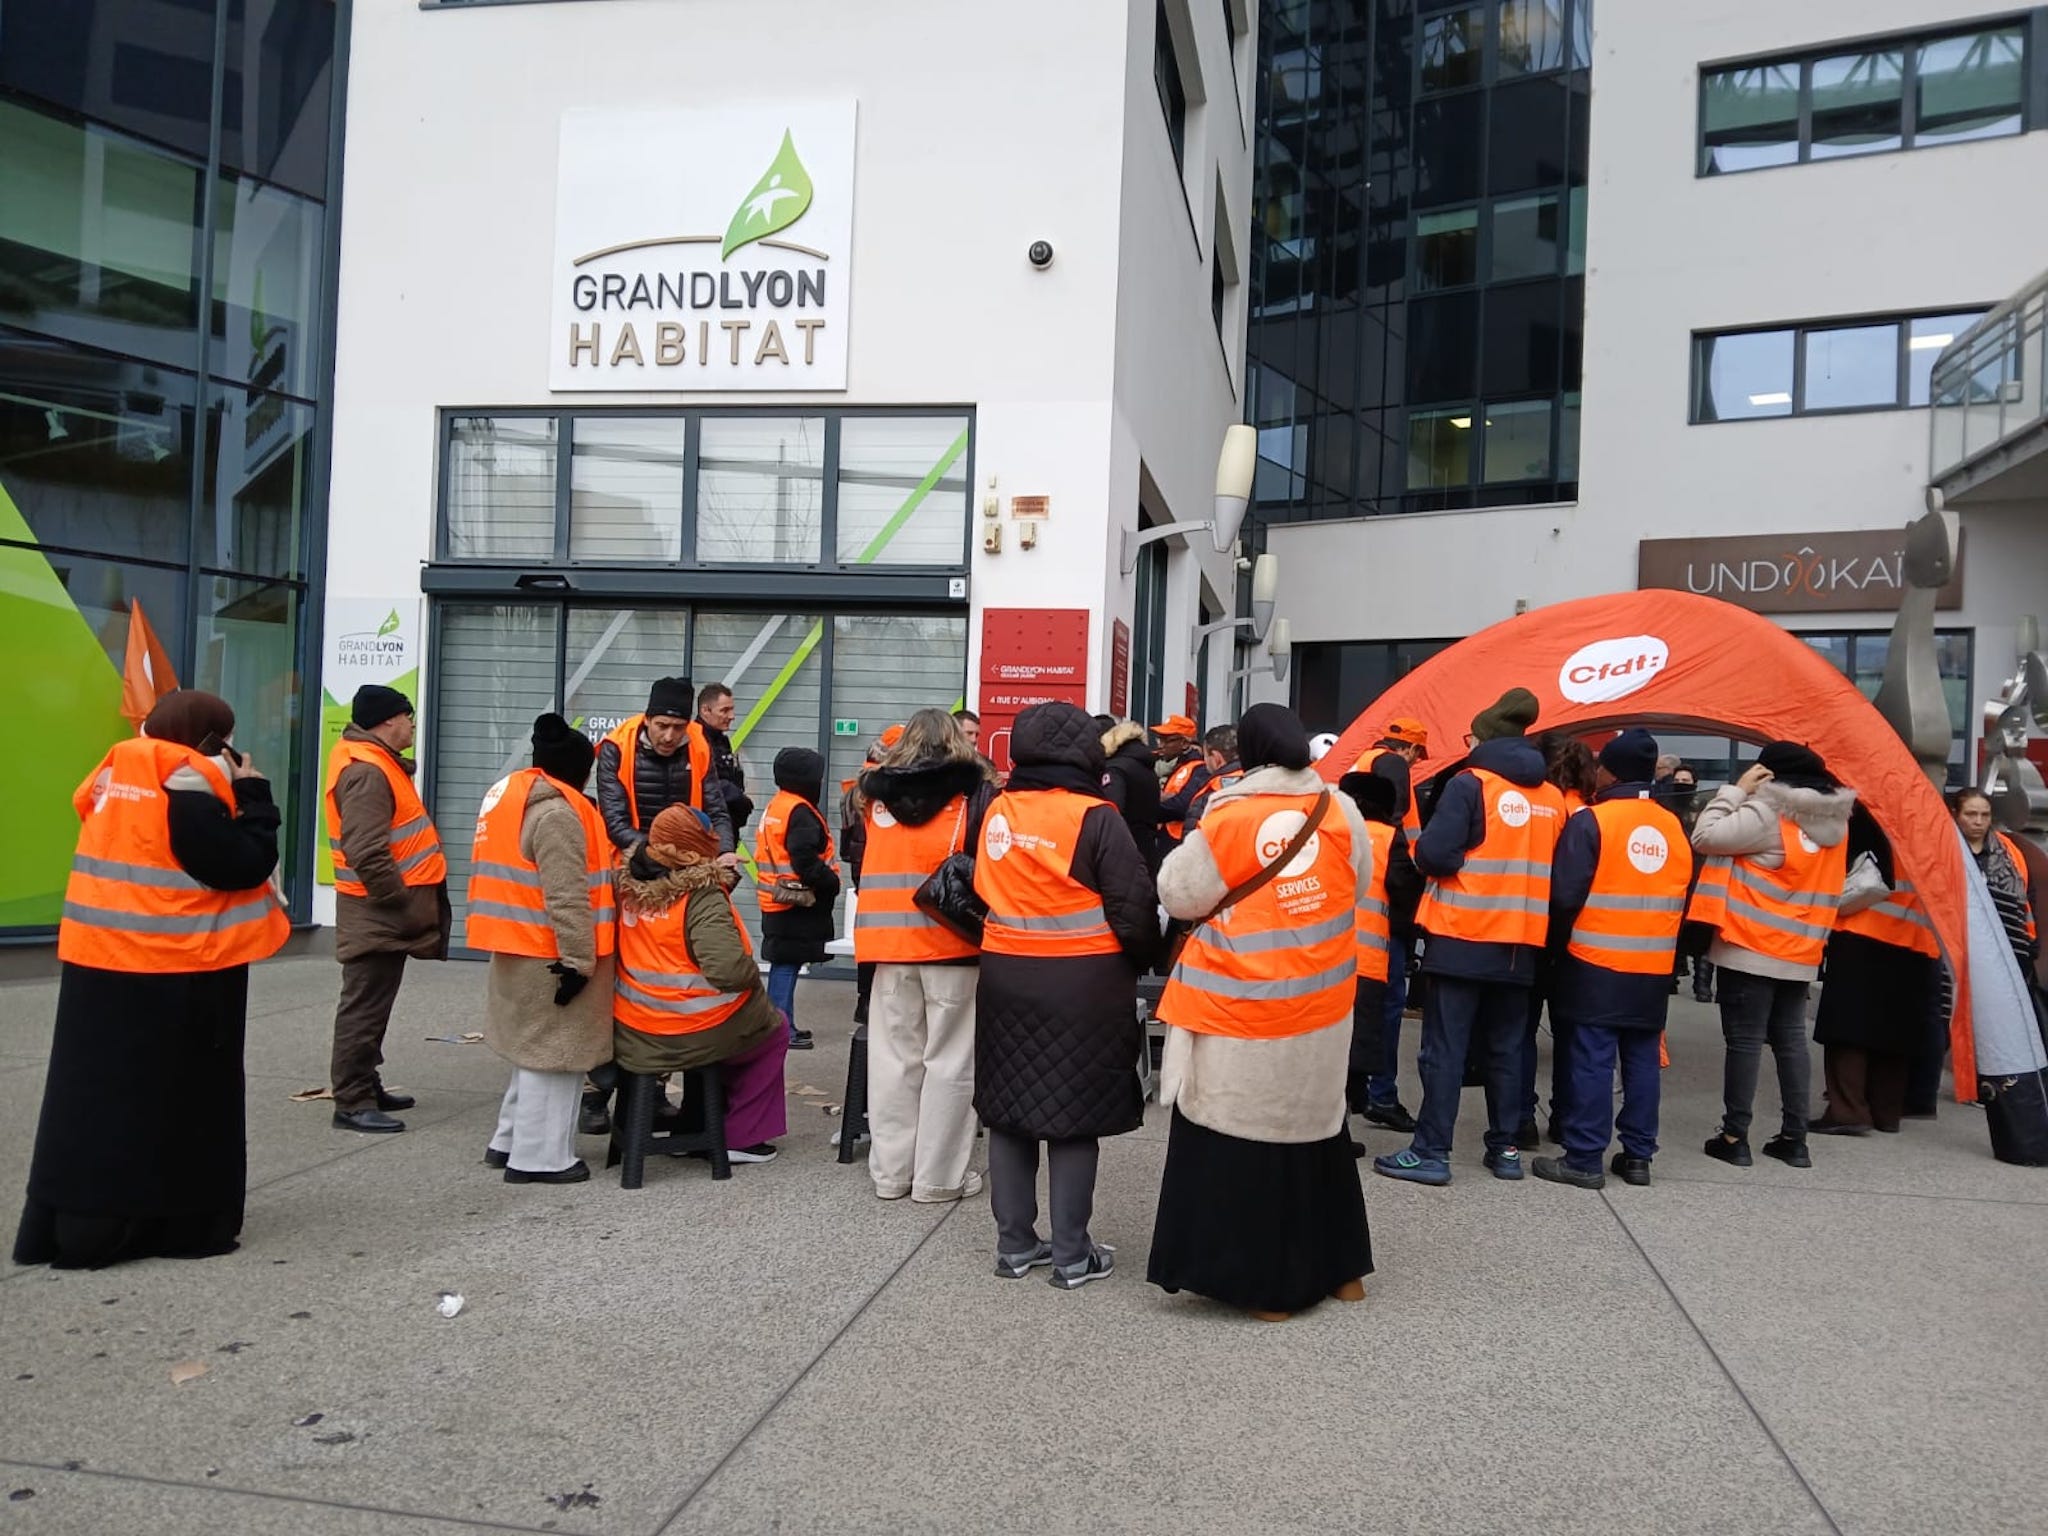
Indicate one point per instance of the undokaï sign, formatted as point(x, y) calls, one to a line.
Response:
point(1790, 572)
point(703, 249)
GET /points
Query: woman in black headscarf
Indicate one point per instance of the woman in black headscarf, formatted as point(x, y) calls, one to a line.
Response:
point(141, 1148)
point(1260, 1205)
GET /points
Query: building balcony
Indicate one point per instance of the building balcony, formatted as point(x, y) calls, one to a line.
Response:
point(1990, 413)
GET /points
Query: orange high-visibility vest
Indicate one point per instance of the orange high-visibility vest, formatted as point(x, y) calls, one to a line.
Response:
point(1574, 802)
point(415, 845)
point(2019, 863)
point(1375, 917)
point(1368, 762)
point(1631, 918)
point(1199, 806)
point(507, 910)
point(1177, 781)
point(129, 905)
point(626, 737)
point(658, 989)
point(1786, 913)
point(771, 847)
point(1284, 960)
point(889, 928)
point(1899, 920)
point(1024, 872)
point(1502, 893)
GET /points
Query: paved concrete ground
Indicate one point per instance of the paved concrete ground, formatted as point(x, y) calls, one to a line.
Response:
point(1858, 1348)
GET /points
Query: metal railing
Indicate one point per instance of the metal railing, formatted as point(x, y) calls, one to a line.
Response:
point(1986, 388)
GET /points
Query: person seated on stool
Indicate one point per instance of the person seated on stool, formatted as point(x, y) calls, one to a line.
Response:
point(688, 992)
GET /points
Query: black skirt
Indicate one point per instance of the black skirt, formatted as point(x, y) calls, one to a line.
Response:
point(1876, 996)
point(142, 1146)
point(1268, 1226)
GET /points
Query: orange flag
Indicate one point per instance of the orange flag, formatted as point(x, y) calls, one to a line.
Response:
point(146, 674)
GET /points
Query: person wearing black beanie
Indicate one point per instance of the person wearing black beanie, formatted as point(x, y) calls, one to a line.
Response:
point(549, 1007)
point(374, 704)
point(659, 758)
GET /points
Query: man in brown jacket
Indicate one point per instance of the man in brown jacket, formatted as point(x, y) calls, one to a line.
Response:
point(391, 897)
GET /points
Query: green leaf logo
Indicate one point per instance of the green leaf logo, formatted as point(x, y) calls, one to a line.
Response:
point(778, 200)
point(389, 625)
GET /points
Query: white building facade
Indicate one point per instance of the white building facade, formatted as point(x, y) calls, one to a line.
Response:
point(1792, 209)
point(824, 351)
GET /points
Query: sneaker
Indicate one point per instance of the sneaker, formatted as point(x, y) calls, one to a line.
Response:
point(1732, 1152)
point(1703, 994)
point(760, 1152)
point(800, 1040)
point(1506, 1164)
point(1015, 1266)
point(1099, 1264)
point(1393, 1116)
point(1412, 1166)
point(966, 1191)
point(1558, 1171)
point(1630, 1170)
point(1792, 1154)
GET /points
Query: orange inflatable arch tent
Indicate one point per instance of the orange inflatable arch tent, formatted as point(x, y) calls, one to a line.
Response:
point(1671, 661)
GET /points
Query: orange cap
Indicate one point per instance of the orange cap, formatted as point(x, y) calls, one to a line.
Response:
point(1407, 729)
point(891, 735)
point(1176, 725)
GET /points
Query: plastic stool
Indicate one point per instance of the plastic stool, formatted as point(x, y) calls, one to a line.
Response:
point(853, 1115)
point(700, 1126)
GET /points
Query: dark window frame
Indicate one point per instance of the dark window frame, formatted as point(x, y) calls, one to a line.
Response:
point(1171, 85)
point(1489, 48)
point(2033, 106)
point(1901, 321)
point(1475, 410)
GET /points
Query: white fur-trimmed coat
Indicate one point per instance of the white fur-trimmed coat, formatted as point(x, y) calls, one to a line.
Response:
point(1738, 825)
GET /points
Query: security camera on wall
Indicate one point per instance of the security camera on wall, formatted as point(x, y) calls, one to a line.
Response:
point(1040, 254)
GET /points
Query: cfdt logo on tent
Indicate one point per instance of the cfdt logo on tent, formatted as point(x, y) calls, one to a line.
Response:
point(1611, 669)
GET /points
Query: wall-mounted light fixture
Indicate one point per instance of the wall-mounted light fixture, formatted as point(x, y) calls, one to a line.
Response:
point(1234, 468)
point(1265, 592)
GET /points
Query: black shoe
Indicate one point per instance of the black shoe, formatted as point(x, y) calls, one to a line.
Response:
point(1358, 1149)
point(1787, 1151)
point(1736, 1152)
point(1918, 1114)
point(493, 1158)
point(1702, 996)
point(800, 1040)
point(575, 1173)
point(387, 1100)
point(1827, 1127)
point(374, 1121)
point(1527, 1137)
point(1630, 1170)
point(1393, 1117)
point(1674, 986)
point(595, 1116)
point(1558, 1172)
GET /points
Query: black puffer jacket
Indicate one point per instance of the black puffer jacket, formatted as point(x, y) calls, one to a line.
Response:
point(1131, 780)
point(1057, 1039)
point(658, 783)
point(799, 936)
point(732, 778)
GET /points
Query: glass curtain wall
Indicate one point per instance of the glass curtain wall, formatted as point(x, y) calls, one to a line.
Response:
point(164, 213)
point(1418, 254)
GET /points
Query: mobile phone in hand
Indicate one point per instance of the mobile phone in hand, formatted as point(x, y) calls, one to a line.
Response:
point(213, 745)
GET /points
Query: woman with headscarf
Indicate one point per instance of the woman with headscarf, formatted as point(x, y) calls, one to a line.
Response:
point(1776, 842)
point(2011, 883)
point(141, 1150)
point(1072, 921)
point(1259, 1206)
point(688, 991)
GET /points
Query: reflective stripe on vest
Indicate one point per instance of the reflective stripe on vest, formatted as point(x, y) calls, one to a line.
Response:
point(1177, 781)
point(507, 910)
point(771, 847)
point(888, 926)
point(656, 988)
point(1024, 871)
point(1284, 960)
point(415, 846)
point(1631, 919)
point(1375, 920)
point(129, 905)
point(1501, 895)
point(626, 737)
point(1785, 913)
point(1899, 920)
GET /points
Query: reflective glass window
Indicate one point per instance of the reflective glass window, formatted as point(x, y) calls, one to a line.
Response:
point(1742, 376)
point(760, 488)
point(1851, 366)
point(626, 488)
point(1439, 448)
point(1525, 237)
point(280, 57)
point(1568, 436)
point(267, 251)
point(1971, 87)
point(144, 66)
point(1518, 440)
point(1443, 348)
point(1925, 338)
point(258, 484)
point(247, 653)
point(609, 655)
point(1446, 249)
point(1450, 142)
point(1858, 104)
point(1749, 117)
point(1532, 36)
point(903, 490)
point(1453, 46)
point(1575, 240)
point(1521, 347)
point(501, 488)
point(1526, 136)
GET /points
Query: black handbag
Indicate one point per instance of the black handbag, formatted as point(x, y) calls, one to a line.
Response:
point(948, 896)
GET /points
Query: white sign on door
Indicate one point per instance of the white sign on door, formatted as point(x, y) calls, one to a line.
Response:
point(703, 249)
